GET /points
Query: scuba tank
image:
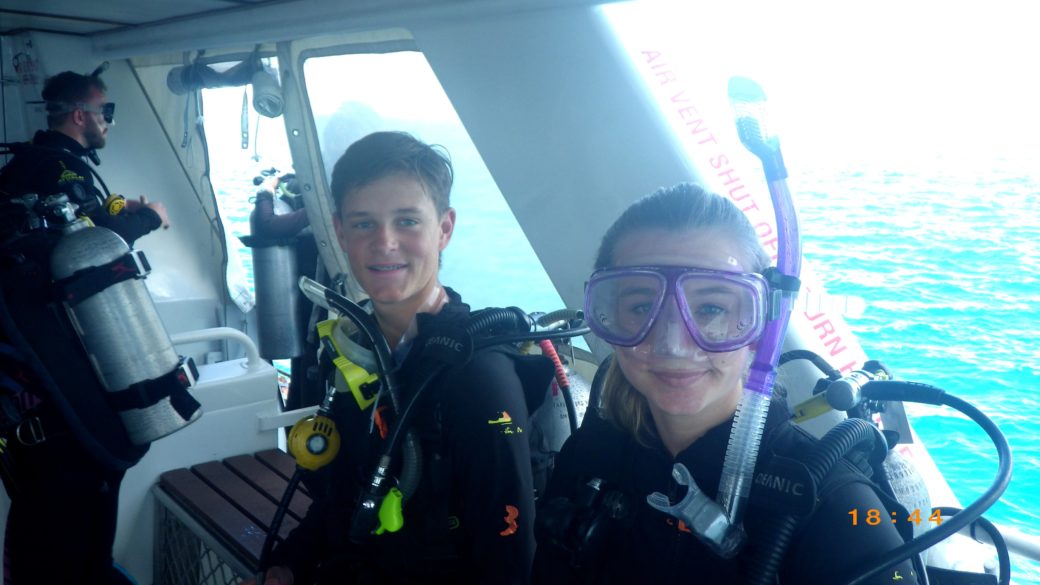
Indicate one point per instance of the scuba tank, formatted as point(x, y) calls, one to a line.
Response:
point(280, 332)
point(116, 320)
point(281, 329)
point(550, 423)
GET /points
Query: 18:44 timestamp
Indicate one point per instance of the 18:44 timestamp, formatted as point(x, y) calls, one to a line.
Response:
point(873, 517)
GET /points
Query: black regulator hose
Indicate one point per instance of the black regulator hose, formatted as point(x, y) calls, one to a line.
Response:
point(489, 327)
point(916, 392)
point(488, 322)
point(276, 521)
point(778, 531)
point(537, 336)
point(804, 354)
point(411, 469)
point(411, 453)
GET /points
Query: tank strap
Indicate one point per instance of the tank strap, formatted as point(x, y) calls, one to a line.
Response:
point(90, 281)
point(173, 384)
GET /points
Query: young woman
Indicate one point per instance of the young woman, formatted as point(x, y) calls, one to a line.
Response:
point(471, 518)
point(678, 292)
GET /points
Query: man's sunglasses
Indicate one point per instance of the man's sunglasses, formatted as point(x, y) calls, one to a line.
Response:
point(107, 109)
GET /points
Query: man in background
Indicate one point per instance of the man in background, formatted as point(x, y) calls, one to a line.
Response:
point(66, 448)
point(78, 119)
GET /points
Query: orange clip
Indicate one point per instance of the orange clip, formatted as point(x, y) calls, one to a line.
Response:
point(381, 422)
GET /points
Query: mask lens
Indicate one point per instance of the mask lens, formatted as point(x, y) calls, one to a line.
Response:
point(108, 112)
point(620, 307)
point(725, 313)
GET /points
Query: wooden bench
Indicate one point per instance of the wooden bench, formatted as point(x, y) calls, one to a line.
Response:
point(228, 506)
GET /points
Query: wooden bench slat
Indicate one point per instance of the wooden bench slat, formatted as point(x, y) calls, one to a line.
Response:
point(278, 460)
point(269, 482)
point(235, 500)
point(254, 504)
point(239, 534)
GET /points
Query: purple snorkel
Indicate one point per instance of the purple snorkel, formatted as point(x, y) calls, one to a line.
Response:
point(718, 525)
point(748, 101)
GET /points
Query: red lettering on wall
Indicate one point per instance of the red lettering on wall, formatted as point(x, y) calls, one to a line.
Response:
point(826, 327)
point(666, 76)
point(763, 229)
point(771, 246)
point(691, 110)
point(730, 179)
point(697, 129)
point(833, 344)
point(734, 197)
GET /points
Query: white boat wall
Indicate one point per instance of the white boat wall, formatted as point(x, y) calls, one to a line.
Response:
point(559, 112)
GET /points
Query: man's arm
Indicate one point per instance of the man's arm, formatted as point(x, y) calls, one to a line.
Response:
point(266, 224)
point(133, 221)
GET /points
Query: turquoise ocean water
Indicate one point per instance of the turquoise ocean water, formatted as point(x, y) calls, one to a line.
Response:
point(947, 257)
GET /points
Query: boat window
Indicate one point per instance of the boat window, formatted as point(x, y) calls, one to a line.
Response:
point(489, 262)
point(241, 144)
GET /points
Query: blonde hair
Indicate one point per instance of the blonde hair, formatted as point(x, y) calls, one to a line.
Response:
point(623, 405)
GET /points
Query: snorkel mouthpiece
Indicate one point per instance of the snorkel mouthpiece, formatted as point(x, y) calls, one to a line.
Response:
point(705, 518)
point(749, 102)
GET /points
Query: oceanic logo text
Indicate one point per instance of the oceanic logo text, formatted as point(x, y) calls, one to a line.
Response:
point(780, 484)
point(445, 341)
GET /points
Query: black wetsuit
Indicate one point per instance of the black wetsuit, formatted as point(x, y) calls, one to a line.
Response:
point(472, 517)
point(54, 163)
point(63, 515)
point(649, 546)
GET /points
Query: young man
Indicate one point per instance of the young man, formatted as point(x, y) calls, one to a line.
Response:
point(470, 519)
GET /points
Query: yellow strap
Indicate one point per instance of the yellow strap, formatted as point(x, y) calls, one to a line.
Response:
point(354, 375)
point(812, 408)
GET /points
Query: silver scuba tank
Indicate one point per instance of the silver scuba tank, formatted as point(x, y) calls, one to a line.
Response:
point(280, 330)
point(550, 424)
point(123, 335)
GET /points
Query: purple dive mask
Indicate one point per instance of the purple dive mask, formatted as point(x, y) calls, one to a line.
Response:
point(722, 311)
